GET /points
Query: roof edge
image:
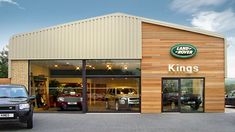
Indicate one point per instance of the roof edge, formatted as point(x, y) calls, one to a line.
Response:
point(143, 19)
point(70, 23)
point(185, 28)
point(177, 26)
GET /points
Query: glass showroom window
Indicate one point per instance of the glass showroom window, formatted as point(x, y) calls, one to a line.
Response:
point(113, 85)
point(192, 95)
point(182, 95)
point(57, 84)
point(113, 67)
point(113, 94)
point(170, 95)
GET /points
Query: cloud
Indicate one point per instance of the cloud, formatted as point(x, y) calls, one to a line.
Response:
point(192, 6)
point(205, 17)
point(11, 2)
point(231, 41)
point(230, 66)
point(231, 57)
point(214, 21)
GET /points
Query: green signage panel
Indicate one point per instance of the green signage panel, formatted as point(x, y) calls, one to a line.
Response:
point(183, 51)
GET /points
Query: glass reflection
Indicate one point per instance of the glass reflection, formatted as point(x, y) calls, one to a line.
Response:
point(56, 84)
point(113, 94)
point(170, 95)
point(191, 95)
point(182, 95)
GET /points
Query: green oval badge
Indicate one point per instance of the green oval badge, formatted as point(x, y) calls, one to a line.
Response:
point(183, 51)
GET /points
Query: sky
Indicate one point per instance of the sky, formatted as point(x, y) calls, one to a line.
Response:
point(17, 16)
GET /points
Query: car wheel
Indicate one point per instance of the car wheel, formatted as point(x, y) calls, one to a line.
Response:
point(64, 107)
point(30, 123)
point(116, 106)
point(80, 108)
point(107, 104)
point(195, 106)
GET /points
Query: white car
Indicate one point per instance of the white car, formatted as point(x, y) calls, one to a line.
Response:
point(121, 98)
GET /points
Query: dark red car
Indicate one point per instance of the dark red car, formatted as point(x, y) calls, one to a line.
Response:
point(69, 99)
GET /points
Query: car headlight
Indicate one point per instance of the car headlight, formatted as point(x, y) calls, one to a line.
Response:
point(123, 98)
point(199, 98)
point(60, 99)
point(24, 106)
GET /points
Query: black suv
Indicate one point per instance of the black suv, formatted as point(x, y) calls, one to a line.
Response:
point(230, 98)
point(16, 105)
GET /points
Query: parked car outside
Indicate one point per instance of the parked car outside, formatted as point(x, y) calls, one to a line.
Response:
point(16, 105)
point(121, 98)
point(230, 98)
point(69, 99)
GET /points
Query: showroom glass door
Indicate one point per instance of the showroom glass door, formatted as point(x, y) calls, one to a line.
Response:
point(170, 95)
point(183, 95)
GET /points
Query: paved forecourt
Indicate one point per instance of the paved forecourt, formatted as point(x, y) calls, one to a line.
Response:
point(169, 122)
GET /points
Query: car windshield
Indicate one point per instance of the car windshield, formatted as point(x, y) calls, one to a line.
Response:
point(126, 91)
point(72, 91)
point(232, 93)
point(13, 92)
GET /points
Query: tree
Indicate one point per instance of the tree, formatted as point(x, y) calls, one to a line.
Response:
point(4, 63)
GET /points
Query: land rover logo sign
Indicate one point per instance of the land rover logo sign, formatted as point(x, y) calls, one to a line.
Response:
point(183, 51)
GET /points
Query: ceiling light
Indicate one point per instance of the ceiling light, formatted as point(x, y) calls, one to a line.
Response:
point(77, 68)
point(55, 65)
point(125, 67)
point(110, 68)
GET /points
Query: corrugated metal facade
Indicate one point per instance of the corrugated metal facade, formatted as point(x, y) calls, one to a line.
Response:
point(108, 37)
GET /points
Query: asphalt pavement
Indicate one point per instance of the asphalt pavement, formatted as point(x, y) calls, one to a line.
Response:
point(167, 122)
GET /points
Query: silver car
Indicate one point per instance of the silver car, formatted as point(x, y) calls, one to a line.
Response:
point(121, 98)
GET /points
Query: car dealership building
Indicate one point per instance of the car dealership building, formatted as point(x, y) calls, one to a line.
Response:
point(121, 63)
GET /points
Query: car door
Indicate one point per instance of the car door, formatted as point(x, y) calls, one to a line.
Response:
point(112, 98)
point(231, 99)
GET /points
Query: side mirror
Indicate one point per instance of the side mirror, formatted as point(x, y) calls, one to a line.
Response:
point(32, 97)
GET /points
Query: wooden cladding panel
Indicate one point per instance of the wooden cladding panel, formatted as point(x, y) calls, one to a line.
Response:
point(5, 80)
point(156, 43)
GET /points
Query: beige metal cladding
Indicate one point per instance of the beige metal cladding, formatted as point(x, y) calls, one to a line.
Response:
point(113, 36)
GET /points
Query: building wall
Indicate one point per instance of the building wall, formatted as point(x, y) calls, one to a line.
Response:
point(5, 80)
point(19, 72)
point(156, 44)
point(107, 37)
